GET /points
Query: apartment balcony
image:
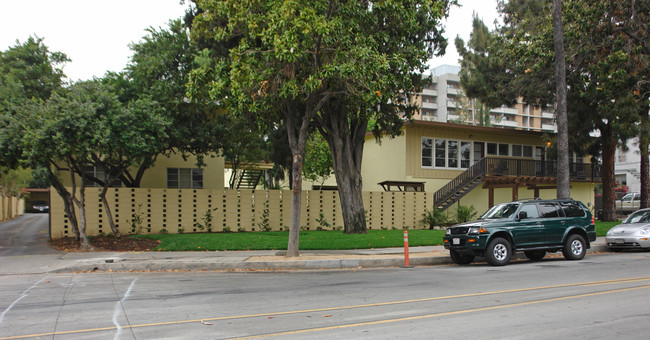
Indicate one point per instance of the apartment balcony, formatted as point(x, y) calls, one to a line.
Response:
point(428, 92)
point(549, 128)
point(452, 91)
point(507, 123)
point(433, 106)
point(451, 104)
point(452, 117)
point(504, 110)
point(548, 115)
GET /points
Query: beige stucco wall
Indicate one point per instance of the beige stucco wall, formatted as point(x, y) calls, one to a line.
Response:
point(213, 178)
point(479, 197)
point(383, 161)
point(156, 176)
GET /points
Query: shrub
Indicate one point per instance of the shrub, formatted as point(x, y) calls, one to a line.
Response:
point(465, 213)
point(433, 218)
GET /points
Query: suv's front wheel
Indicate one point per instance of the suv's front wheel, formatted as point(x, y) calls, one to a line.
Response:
point(458, 258)
point(575, 247)
point(498, 252)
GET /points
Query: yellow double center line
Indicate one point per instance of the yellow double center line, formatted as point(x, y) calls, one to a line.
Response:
point(582, 284)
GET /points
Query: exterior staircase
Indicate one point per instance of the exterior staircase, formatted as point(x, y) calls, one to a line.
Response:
point(508, 167)
point(461, 185)
point(246, 178)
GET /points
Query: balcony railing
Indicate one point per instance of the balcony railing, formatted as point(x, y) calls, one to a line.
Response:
point(529, 167)
point(491, 166)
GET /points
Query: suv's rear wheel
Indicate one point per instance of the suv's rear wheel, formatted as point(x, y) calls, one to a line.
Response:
point(535, 255)
point(460, 258)
point(574, 247)
point(498, 252)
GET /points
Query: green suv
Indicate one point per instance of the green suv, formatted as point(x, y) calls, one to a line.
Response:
point(534, 227)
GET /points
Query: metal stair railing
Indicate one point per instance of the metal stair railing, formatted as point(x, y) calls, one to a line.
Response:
point(249, 178)
point(468, 178)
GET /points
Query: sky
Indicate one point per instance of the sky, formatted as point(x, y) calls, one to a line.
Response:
point(95, 34)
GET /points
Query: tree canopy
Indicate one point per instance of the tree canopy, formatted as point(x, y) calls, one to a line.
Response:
point(324, 62)
point(602, 69)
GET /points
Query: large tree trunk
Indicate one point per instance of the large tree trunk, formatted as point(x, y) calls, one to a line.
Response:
point(563, 180)
point(296, 203)
point(609, 181)
point(297, 144)
point(345, 138)
point(68, 204)
point(107, 210)
point(83, 238)
point(109, 215)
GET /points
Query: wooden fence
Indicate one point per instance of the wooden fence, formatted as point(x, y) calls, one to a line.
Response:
point(154, 211)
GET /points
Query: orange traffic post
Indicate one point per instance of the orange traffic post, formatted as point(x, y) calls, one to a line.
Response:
point(406, 248)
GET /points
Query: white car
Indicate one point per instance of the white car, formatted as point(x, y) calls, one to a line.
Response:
point(629, 203)
point(633, 233)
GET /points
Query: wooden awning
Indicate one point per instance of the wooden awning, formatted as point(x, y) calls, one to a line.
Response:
point(402, 186)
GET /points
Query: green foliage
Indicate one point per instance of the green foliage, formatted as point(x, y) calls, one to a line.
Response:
point(465, 213)
point(318, 160)
point(322, 222)
point(137, 221)
point(30, 70)
point(207, 221)
point(334, 64)
point(264, 224)
point(434, 218)
point(13, 181)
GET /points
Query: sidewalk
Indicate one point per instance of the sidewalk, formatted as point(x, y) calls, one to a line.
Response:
point(231, 260)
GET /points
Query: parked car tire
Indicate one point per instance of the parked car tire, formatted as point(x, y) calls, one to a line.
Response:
point(458, 258)
point(498, 252)
point(535, 255)
point(575, 247)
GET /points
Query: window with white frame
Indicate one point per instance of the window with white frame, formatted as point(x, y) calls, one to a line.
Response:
point(440, 151)
point(184, 178)
point(455, 154)
point(427, 152)
point(443, 153)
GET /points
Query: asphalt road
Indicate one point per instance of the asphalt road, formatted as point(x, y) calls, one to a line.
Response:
point(25, 235)
point(604, 296)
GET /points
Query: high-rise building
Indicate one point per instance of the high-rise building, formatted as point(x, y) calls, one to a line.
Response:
point(443, 100)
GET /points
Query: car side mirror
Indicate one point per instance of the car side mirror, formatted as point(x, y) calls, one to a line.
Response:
point(522, 215)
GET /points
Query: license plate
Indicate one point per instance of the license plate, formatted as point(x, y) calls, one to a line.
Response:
point(456, 241)
point(619, 241)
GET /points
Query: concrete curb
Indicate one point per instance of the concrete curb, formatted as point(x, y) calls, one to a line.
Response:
point(245, 263)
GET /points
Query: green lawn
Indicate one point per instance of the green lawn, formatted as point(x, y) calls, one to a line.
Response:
point(309, 240)
point(603, 227)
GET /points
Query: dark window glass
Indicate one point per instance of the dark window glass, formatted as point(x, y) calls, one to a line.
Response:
point(491, 148)
point(528, 151)
point(452, 157)
point(547, 210)
point(503, 149)
point(427, 152)
point(572, 210)
point(441, 146)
